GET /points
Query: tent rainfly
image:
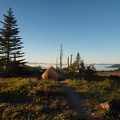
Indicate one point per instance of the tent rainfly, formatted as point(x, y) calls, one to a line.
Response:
point(50, 74)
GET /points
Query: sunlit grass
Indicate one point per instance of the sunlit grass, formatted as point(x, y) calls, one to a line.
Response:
point(96, 92)
point(32, 99)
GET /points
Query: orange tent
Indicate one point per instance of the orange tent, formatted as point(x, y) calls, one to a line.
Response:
point(50, 74)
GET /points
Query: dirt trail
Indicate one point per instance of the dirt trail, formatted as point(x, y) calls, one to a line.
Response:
point(76, 102)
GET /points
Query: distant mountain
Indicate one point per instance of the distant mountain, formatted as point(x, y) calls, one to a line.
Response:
point(102, 64)
point(34, 63)
point(115, 66)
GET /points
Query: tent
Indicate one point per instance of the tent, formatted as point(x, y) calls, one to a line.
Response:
point(50, 74)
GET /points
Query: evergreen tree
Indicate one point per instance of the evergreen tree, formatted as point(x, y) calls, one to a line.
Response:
point(78, 60)
point(10, 43)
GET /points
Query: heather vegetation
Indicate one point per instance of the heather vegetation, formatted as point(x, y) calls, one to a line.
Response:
point(31, 99)
point(96, 92)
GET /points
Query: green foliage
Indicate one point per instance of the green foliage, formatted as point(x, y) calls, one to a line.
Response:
point(68, 115)
point(90, 70)
point(78, 60)
point(14, 88)
point(30, 71)
point(96, 92)
point(77, 64)
point(72, 67)
point(45, 100)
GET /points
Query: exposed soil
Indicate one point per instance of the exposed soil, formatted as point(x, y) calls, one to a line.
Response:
point(77, 102)
point(108, 73)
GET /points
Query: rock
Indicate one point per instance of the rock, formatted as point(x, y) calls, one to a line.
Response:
point(112, 105)
point(105, 105)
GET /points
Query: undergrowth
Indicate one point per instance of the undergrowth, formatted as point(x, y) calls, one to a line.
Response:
point(30, 99)
point(96, 92)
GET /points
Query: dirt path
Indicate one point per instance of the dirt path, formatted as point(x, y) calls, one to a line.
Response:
point(76, 102)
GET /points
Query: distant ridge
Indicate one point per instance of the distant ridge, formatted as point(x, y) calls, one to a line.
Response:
point(44, 63)
point(112, 65)
point(34, 63)
point(115, 66)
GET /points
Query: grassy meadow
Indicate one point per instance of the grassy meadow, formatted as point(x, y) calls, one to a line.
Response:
point(95, 92)
point(32, 99)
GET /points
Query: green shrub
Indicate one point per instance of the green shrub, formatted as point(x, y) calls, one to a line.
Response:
point(14, 88)
point(96, 92)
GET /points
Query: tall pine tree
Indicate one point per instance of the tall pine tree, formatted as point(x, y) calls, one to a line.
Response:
point(10, 44)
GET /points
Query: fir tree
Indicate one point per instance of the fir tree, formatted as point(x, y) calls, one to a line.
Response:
point(78, 60)
point(10, 43)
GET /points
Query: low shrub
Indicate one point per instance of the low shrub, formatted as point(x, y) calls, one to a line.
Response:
point(96, 92)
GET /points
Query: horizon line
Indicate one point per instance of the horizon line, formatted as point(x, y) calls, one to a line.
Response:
point(66, 63)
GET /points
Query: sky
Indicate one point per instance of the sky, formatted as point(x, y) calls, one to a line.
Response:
point(90, 27)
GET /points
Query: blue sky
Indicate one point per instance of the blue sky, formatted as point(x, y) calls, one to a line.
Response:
point(90, 27)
